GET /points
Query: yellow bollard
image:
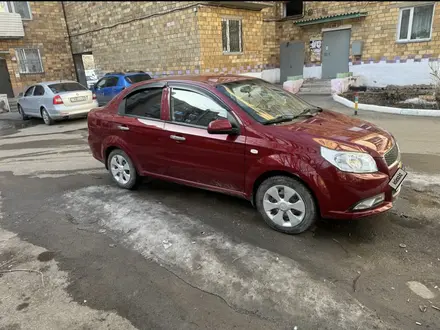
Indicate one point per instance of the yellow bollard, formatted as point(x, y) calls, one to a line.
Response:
point(356, 101)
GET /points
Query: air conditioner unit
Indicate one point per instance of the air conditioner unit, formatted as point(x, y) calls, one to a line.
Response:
point(11, 26)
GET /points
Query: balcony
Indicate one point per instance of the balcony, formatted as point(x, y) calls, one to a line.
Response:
point(250, 5)
point(11, 26)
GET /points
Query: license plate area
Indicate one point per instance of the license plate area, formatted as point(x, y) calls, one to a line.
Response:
point(397, 179)
point(78, 99)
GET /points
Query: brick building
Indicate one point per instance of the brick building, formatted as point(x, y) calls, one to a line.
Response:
point(170, 37)
point(34, 45)
point(392, 42)
point(384, 42)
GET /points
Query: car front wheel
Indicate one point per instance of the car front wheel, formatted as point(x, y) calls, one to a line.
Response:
point(286, 205)
point(122, 170)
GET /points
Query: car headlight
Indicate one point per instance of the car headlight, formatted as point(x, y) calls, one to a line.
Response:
point(354, 162)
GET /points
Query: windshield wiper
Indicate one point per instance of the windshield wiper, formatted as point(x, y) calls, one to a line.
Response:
point(308, 112)
point(279, 119)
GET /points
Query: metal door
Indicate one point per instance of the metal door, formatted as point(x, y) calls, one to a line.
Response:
point(79, 67)
point(5, 80)
point(335, 52)
point(291, 59)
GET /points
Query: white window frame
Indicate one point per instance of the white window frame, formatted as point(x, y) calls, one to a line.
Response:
point(240, 35)
point(411, 16)
point(11, 3)
point(18, 58)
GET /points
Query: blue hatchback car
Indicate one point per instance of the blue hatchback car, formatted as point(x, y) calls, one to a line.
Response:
point(114, 82)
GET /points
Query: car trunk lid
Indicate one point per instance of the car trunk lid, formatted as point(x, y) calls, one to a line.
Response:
point(76, 97)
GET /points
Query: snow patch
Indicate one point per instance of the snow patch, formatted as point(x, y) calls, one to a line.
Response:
point(247, 276)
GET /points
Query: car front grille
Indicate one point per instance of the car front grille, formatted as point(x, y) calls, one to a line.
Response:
point(392, 155)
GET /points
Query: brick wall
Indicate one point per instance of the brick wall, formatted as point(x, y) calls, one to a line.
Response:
point(163, 38)
point(47, 32)
point(212, 56)
point(156, 37)
point(377, 30)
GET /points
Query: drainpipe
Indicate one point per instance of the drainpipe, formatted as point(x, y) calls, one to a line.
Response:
point(70, 41)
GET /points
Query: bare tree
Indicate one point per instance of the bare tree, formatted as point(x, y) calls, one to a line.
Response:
point(435, 75)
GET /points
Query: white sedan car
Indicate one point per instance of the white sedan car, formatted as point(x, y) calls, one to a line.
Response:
point(56, 100)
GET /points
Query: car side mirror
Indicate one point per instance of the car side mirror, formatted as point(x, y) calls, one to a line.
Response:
point(221, 126)
point(20, 94)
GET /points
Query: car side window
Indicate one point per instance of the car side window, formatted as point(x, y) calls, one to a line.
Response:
point(144, 103)
point(101, 83)
point(29, 91)
point(193, 108)
point(112, 81)
point(39, 90)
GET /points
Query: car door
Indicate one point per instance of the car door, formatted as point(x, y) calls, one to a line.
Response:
point(26, 101)
point(140, 125)
point(99, 90)
point(194, 155)
point(109, 88)
point(37, 99)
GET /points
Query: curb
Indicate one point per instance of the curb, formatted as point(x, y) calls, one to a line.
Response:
point(395, 111)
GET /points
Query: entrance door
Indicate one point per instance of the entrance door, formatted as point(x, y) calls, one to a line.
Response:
point(79, 66)
point(5, 80)
point(335, 53)
point(291, 59)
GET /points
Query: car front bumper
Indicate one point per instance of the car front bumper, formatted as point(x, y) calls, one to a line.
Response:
point(343, 191)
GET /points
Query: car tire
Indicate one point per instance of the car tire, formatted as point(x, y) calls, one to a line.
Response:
point(122, 170)
point(46, 117)
point(21, 112)
point(286, 205)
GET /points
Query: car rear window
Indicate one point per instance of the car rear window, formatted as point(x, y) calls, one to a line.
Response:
point(66, 87)
point(133, 79)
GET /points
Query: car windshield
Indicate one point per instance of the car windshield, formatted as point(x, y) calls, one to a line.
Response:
point(66, 87)
point(263, 101)
point(133, 79)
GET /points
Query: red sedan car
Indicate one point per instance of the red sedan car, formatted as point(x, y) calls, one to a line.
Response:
point(246, 137)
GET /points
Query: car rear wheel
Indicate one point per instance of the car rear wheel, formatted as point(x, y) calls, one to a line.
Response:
point(286, 205)
point(122, 170)
point(21, 112)
point(46, 117)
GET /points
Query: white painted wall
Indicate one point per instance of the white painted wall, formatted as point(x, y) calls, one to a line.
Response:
point(312, 72)
point(382, 74)
point(270, 75)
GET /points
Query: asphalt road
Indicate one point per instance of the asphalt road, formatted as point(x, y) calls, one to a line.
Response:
point(171, 257)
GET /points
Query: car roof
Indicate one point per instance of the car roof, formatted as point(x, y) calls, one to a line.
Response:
point(55, 82)
point(212, 80)
point(123, 74)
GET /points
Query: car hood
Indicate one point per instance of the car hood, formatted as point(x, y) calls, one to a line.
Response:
point(340, 132)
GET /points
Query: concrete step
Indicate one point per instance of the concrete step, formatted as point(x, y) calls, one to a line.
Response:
point(12, 105)
point(313, 93)
point(315, 90)
point(318, 85)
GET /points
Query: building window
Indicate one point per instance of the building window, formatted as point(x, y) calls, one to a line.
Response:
point(292, 8)
point(20, 7)
point(231, 36)
point(29, 60)
point(415, 23)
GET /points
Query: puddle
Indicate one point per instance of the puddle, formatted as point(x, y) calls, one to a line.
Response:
point(8, 127)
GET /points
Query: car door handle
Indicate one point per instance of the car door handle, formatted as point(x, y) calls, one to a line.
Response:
point(177, 138)
point(123, 128)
